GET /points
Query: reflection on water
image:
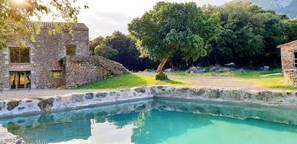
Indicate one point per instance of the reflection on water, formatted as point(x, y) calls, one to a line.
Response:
point(159, 121)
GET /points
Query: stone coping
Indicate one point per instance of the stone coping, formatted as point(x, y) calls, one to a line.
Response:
point(8, 138)
point(16, 107)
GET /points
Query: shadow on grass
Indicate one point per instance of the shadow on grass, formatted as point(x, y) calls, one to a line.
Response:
point(169, 82)
point(284, 87)
point(126, 81)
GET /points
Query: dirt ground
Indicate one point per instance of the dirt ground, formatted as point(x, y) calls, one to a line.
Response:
point(214, 81)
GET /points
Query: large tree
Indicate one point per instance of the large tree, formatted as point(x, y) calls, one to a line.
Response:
point(249, 34)
point(171, 28)
point(15, 17)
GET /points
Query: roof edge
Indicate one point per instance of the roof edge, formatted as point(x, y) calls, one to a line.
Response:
point(286, 44)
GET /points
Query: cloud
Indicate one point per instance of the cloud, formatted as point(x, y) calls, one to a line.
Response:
point(104, 23)
point(105, 17)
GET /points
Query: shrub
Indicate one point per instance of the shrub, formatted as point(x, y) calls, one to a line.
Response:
point(106, 51)
point(161, 76)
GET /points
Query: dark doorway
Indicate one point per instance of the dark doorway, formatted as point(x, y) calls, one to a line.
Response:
point(20, 79)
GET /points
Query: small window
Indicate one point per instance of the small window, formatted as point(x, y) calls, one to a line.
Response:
point(70, 50)
point(19, 55)
point(295, 59)
point(57, 74)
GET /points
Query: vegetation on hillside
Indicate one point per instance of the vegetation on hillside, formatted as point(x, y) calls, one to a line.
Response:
point(287, 7)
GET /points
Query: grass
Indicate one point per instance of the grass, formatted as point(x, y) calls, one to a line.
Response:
point(128, 81)
point(135, 80)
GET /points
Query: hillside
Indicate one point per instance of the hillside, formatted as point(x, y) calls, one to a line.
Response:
point(288, 7)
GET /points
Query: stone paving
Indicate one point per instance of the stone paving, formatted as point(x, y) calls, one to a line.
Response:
point(20, 94)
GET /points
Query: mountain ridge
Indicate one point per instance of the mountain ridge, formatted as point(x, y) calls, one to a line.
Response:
point(287, 7)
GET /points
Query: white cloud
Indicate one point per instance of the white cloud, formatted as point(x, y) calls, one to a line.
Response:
point(105, 16)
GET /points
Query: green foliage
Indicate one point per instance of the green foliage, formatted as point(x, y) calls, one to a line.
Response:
point(161, 76)
point(97, 41)
point(105, 51)
point(127, 55)
point(248, 33)
point(127, 81)
point(292, 31)
point(15, 18)
point(171, 28)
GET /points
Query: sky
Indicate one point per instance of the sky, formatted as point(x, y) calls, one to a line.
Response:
point(106, 16)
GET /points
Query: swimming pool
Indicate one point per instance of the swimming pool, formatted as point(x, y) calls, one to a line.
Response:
point(160, 121)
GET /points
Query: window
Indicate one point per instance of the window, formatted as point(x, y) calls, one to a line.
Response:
point(19, 55)
point(70, 50)
point(20, 79)
point(57, 74)
point(295, 59)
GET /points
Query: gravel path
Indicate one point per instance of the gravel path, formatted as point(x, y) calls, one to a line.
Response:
point(192, 81)
point(221, 82)
point(214, 81)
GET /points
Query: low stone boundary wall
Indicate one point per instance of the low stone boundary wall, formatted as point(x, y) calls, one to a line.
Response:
point(85, 69)
point(76, 100)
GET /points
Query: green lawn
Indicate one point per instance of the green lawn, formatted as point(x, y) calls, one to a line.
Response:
point(135, 80)
point(128, 81)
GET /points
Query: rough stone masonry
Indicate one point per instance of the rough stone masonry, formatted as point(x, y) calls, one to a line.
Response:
point(48, 64)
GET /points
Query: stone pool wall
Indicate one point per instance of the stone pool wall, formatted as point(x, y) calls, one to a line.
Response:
point(8, 138)
point(76, 100)
point(16, 107)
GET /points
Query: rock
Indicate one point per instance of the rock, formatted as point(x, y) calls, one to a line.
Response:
point(197, 92)
point(247, 95)
point(12, 104)
point(235, 95)
point(264, 96)
point(214, 93)
point(89, 96)
point(170, 70)
point(78, 98)
point(278, 94)
point(46, 104)
point(140, 90)
point(101, 95)
point(194, 70)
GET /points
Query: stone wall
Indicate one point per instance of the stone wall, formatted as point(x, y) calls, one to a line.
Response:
point(288, 62)
point(187, 97)
point(8, 138)
point(45, 55)
point(76, 100)
point(85, 69)
point(2, 71)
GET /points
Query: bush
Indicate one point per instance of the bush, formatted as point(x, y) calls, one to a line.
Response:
point(161, 76)
point(106, 51)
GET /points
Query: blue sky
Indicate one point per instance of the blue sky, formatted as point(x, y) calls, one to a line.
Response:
point(105, 16)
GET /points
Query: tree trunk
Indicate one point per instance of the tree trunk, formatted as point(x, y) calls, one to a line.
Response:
point(160, 67)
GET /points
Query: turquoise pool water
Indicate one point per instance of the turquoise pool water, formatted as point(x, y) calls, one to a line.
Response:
point(160, 122)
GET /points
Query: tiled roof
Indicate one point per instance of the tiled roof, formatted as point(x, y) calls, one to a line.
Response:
point(77, 26)
point(288, 44)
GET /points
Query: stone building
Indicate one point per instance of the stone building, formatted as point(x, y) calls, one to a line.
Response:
point(44, 63)
point(289, 61)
